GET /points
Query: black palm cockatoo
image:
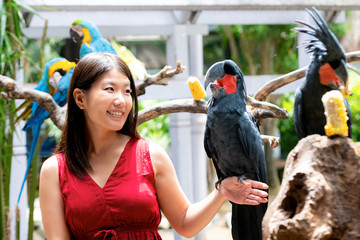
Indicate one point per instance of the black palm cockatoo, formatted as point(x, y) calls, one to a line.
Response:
point(233, 142)
point(326, 72)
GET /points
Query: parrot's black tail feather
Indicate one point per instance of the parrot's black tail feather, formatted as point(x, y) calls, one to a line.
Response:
point(246, 221)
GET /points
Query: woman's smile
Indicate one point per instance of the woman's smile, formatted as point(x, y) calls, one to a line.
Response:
point(115, 113)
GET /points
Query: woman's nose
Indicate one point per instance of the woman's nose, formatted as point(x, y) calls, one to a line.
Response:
point(119, 99)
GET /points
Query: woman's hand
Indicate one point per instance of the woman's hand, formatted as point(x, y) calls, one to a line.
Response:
point(248, 193)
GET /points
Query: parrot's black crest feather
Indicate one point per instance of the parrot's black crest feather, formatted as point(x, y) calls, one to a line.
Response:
point(325, 45)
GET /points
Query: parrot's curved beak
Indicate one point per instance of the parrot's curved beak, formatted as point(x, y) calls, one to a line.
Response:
point(212, 76)
point(214, 73)
point(76, 33)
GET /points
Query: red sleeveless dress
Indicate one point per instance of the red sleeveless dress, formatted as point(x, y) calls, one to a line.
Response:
point(125, 208)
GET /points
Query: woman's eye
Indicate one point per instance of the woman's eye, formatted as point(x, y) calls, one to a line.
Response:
point(127, 91)
point(109, 89)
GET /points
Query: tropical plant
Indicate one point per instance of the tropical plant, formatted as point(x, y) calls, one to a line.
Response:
point(12, 50)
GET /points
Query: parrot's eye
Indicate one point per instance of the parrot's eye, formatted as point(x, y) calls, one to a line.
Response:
point(62, 72)
point(334, 64)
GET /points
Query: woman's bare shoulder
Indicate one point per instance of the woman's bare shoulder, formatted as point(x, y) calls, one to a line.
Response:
point(159, 157)
point(50, 166)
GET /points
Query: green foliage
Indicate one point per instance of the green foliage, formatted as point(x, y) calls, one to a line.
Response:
point(288, 137)
point(354, 102)
point(41, 53)
point(277, 41)
point(12, 50)
point(156, 130)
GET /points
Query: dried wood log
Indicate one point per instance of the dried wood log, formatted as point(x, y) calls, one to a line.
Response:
point(319, 195)
point(279, 82)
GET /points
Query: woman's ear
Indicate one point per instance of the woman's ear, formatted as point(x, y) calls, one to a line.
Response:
point(79, 98)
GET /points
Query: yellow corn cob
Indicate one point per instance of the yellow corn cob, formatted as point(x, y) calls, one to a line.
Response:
point(336, 115)
point(196, 89)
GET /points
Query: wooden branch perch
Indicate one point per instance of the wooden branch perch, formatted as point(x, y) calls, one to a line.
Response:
point(263, 110)
point(190, 106)
point(174, 106)
point(159, 78)
point(279, 82)
point(13, 90)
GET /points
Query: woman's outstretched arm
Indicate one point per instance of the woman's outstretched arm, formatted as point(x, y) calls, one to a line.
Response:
point(189, 219)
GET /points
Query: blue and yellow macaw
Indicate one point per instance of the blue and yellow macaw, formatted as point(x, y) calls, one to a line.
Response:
point(55, 81)
point(88, 34)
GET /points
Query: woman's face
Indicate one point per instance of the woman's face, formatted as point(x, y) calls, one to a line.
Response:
point(108, 102)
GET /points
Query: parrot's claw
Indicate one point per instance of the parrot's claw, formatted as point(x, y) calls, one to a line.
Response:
point(241, 179)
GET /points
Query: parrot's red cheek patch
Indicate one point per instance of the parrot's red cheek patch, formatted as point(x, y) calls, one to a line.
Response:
point(219, 83)
point(327, 75)
point(229, 83)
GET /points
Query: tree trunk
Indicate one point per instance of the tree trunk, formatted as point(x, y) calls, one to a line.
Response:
point(319, 195)
point(234, 51)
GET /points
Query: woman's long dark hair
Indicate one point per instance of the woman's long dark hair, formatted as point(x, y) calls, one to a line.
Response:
point(73, 139)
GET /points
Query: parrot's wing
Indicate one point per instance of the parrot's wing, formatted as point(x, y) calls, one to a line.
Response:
point(251, 141)
point(61, 97)
point(103, 45)
point(299, 123)
point(207, 144)
point(211, 152)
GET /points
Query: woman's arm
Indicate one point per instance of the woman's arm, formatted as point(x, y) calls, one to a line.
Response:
point(186, 218)
point(51, 202)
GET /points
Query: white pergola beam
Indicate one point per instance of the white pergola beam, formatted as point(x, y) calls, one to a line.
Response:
point(88, 5)
point(168, 18)
point(114, 31)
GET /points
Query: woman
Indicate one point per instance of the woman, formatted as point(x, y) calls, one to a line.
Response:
point(88, 192)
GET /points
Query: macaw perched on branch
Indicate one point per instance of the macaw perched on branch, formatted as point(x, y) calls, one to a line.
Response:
point(55, 81)
point(90, 37)
point(327, 71)
point(88, 34)
point(233, 142)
